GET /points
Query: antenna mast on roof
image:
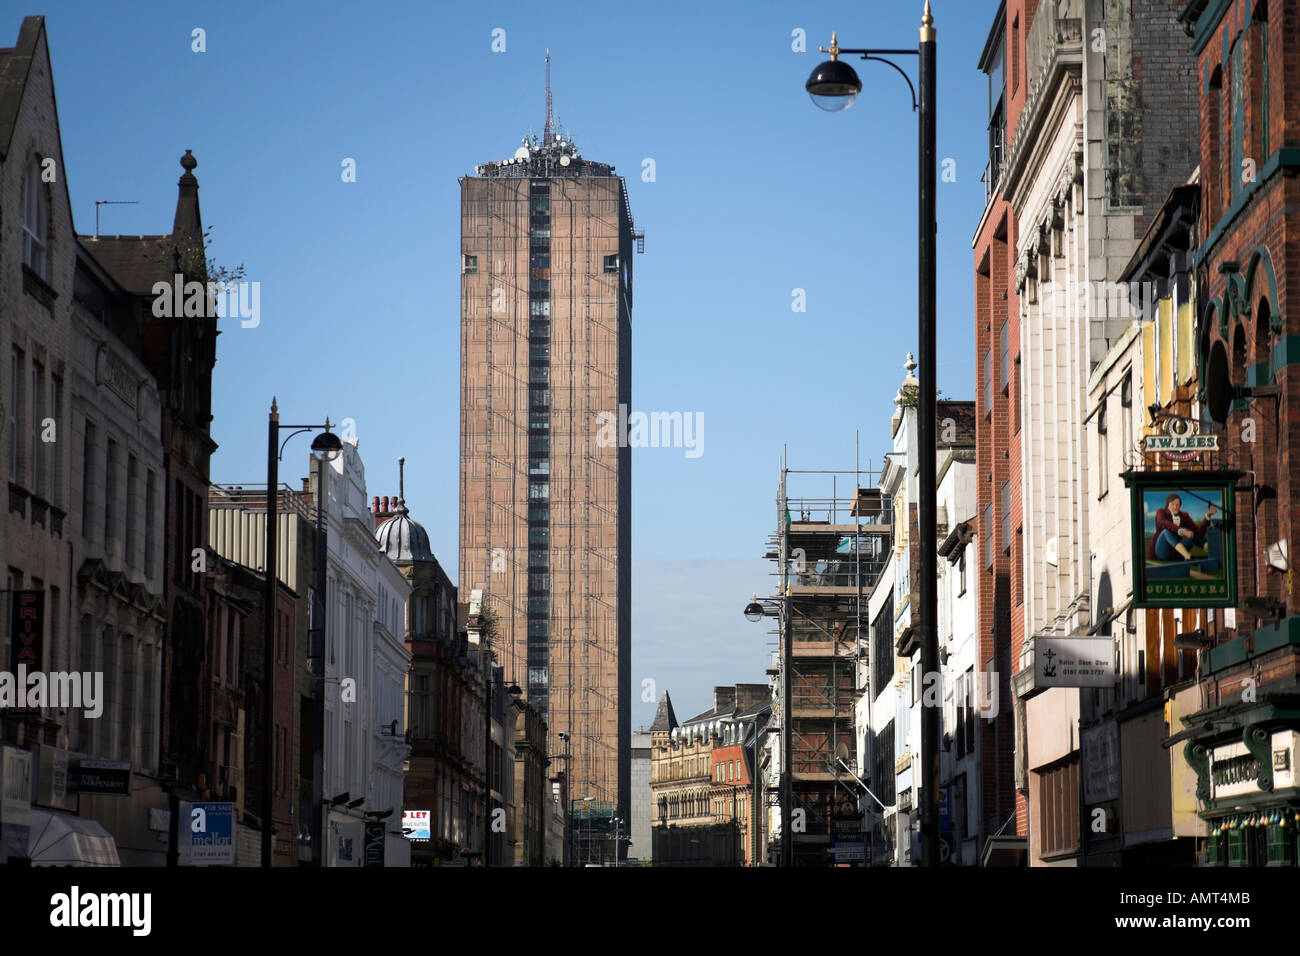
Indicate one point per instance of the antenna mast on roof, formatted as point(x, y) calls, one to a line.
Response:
point(546, 130)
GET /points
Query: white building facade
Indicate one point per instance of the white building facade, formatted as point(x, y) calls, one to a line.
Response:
point(365, 668)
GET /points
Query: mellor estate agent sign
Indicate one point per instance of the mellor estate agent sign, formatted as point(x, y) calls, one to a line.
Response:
point(1184, 538)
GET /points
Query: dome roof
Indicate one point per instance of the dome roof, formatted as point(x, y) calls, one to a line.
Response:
point(403, 539)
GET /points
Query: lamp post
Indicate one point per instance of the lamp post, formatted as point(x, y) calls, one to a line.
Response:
point(327, 444)
point(834, 86)
point(567, 802)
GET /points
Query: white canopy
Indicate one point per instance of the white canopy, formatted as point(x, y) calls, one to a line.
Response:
point(63, 839)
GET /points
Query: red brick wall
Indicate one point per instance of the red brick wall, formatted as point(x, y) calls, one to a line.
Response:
point(1000, 628)
point(1268, 219)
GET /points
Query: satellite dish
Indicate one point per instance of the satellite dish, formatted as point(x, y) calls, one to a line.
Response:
point(1218, 384)
point(521, 152)
point(564, 160)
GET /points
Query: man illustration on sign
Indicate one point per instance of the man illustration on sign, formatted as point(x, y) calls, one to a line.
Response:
point(1176, 534)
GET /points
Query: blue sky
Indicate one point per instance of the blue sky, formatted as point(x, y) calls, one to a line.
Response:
point(756, 193)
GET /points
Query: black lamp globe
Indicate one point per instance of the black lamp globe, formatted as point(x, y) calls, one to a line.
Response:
point(754, 610)
point(833, 86)
point(327, 445)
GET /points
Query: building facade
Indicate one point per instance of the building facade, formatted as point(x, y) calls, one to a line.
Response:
point(704, 811)
point(1105, 132)
point(546, 300)
point(1241, 737)
point(999, 573)
point(82, 435)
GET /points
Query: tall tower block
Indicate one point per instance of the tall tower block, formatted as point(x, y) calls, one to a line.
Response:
point(545, 497)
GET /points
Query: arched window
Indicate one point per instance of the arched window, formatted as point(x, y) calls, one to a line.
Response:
point(36, 221)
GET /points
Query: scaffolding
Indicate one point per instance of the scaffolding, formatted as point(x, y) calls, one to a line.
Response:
point(831, 543)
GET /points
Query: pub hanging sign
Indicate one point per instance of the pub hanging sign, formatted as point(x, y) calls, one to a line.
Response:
point(1184, 538)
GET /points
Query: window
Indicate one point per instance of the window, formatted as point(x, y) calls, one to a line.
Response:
point(132, 469)
point(85, 662)
point(110, 494)
point(232, 649)
point(1103, 469)
point(1004, 354)
point(88, 480)
point(611, 264)
point(36, 221)
point(988, 382)
point(56, 453)
point(961, 573)
point(126, 723)
point(995, 69)
point(40, 448)
point(959, 705)
point(150, 523)
point(1018, 565)
point(882, 647)
point(1016, 399)
point(1126, 417)
point(988, 535)
point(469, 265)
point(882, 774)
point(1006, 515)
point(108, 662)
point(969, 704)
point(17, 418)
point(1015, 54)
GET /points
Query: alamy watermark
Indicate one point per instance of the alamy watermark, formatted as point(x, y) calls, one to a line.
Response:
point(1123, 300)
point(652, 430)
point(212, 300)
point(62, 689)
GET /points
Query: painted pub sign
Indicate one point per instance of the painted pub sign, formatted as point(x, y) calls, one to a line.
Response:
point(1184, 538)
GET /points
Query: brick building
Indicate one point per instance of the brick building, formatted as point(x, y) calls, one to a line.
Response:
point(1001, 624)
point(545, 503)
point(1242, 740)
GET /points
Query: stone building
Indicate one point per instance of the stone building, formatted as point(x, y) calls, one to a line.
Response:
point(531, 790)
point(703, 810)
point(101, 435)
point(1105, 131)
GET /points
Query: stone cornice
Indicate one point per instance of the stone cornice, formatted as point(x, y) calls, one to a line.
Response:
point(1042, 114)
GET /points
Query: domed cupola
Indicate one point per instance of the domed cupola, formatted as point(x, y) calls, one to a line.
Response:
point(399, 537)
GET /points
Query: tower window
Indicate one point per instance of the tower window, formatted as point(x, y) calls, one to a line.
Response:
point(469, 265)
point(611, 263)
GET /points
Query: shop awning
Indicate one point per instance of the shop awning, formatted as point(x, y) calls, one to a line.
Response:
point(1006, 851)
point(63, 839)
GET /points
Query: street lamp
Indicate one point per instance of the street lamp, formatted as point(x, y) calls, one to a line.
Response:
point(568, 804)
point(833, 86)
point(328, 446)
point(325, 448)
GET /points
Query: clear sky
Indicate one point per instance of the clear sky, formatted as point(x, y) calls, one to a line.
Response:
point(755, 194)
